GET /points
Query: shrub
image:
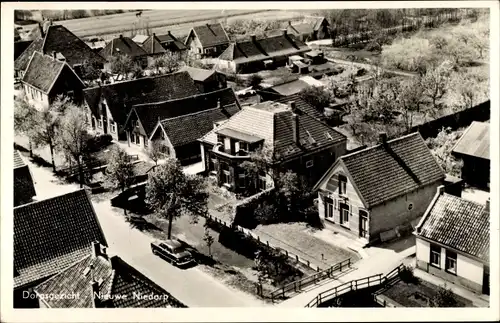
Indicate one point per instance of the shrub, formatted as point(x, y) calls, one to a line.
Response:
point(407, 275)
point(444, 298)
point(96, 143)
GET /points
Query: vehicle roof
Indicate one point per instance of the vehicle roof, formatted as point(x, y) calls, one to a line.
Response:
point(172, 243)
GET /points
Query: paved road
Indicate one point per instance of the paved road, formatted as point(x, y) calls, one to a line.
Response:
point(193, 287)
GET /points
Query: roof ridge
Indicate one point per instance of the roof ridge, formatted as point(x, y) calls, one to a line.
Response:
point(68, 267)
point(48, 199)
point(378, 145)
point(180, 99)
point(190, 114)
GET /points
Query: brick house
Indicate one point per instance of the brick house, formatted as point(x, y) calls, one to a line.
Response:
point(109, 105)
point(206, 80)
point(208, 40)
point(125, 46)
point(143, 119)
point(453, 241)
point(474, 149)
point(259, 53)
point(314, 28)
point(57, 39)
point(97, 274)
point(375, 192)
point(46, 77)
point(24, 189)
point(295, 140)
point(49, 236)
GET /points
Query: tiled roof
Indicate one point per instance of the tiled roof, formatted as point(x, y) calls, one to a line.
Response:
point(18, 160)
point(291, 88)
point(198, 74)
point(263, 49)
point(116, 277)
point(475, 141)
point(381, 174)
point(43, 71)
point(458, 223)
point(171, 42)
point(303, 28)
point(302, 105)
point(20, 47)
point(21, 63)
point(273, 122)
point(122, 45)
point(51, 234)
point(24, 189)
point(121, 96)
point(211, 34)
point(189, 128)
point(150, 114)
point(153, 46)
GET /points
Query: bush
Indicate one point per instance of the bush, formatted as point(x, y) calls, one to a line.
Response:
point(444, 298)
point(407, 275)
point(96, 143)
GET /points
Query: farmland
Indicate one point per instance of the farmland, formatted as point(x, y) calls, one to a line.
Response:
point(179, 22)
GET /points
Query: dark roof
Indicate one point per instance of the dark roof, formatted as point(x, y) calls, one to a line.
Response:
point(475, 141)
point(211, 34)
point(198, 74)
point(122, 45)
point(150, 114)
point(170, 42)
point(24, 189)
point(383, 173)
point(303, 28)
point(16, 35)
point(20, 47)
point(291, 88)
point(115, 278)
point(121, 96)
point(189, 128)
point(264, 48)
point(50, 235)
point(458, 223)
point(43, 71)
point(273, 122)
point(153, 46)
point(302, 105)
point(58, 39)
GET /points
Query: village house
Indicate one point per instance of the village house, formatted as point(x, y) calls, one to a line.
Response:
point(277, 91)
point(260, 53)
point(291, 139)
point(49, 236)
point(140, 39)
point(143, 119)
point(314, 28)
point(47, 76)
point(167, 41)
point(125, 46)
point(378, 192)
point(208, 40)
point(103, 281)
point(453, 241)
point(57, 39)
point(473, 148)
point(24, 189)
point(206, 80)
point(301, 105)
point(108, 105)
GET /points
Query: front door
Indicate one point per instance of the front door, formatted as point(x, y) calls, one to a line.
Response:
point(363, 223)
point(344, 215)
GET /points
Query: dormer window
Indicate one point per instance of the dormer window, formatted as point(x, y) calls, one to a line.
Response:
point(342, 184)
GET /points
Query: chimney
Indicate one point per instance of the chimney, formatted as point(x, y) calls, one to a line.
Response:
point(95, 293)
point(295, 125)
point(96, 249)
point(121, 36)
point(50, 22)
point(54, 55)
point(114, 262)
point(487, 206)
point(284, 32)
point(440, 189)
point(383, 138)
point(40, 27)
point(293, 106)
point(289, 22)
point(169, 33)
point(254, 38)
point(154, 34)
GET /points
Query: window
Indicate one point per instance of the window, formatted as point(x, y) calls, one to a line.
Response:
point(451, 262)
point(344, 216)
point(436, 256)
point(220, 139)
point(227, 144)
point(262, 183)
point(329, 208)
point(241, 180)
point(132, 138)
point(226, 174)
point(244, 146)
point(113, 127)
point(212, 164)
point(363, 223)
point(342, 184)
point(309, 163)
point(137, 139)
point(99, 123)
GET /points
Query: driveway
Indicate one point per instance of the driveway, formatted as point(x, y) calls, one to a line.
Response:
point(193, 287)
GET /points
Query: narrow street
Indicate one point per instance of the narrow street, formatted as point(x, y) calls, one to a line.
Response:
point(192, 286)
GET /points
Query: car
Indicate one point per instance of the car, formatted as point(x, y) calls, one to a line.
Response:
point(173, 251)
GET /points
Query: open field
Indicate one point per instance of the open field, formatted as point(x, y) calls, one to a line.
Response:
point(179, 22)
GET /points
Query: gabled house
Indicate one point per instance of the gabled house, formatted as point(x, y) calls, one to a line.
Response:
point(143, 119)
point(294, 141)
point(206, 80)
point(109, 105)
point(453, 241)
point(125, 46)
point(24, 189)
point(152, 46)
point(474, 150)
point(49, 236)
point(260, 53)
point(208, 40)
point(57, 39)
point(159, 44)
point(103, 281)
point(376, 192)
point(314, 28)
point(46, 77)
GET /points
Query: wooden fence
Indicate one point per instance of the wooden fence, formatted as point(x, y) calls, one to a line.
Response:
point(353, 285)
point(296, 286)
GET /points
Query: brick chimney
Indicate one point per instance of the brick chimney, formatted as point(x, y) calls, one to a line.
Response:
point(293, 106)
point(441, 189)
point(154, 34)
point(289, 22)
point(383, 138)
point(95, 294)
point(96, 249)
point(253, 37)
point(169, 33)
point(295, 126)
point(121, 36)
point(487, 206)
point(285, 33)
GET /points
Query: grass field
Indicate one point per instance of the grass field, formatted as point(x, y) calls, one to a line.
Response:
point(179, 22)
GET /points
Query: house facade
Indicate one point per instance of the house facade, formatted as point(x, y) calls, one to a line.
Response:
point(208, 40)
point(473, 148)
point(292, 139)
point(453, 241)
point(24, 188)
point(377, 192)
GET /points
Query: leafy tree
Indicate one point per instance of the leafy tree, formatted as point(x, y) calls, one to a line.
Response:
point(254, 80)
point(272, 266)
point(317, 97)
point(444, 298)
point(208, 239)
point(155, 151)
point(120, 171)
point(24, 118)
point(124, 65)
point(441, 150)
point(165, 63)
point(172, 193)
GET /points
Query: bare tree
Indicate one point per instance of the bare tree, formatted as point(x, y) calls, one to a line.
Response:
point(24, 118)
point(124, 65)
point(165, 63)
point(435, 83)
point(155, 151)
